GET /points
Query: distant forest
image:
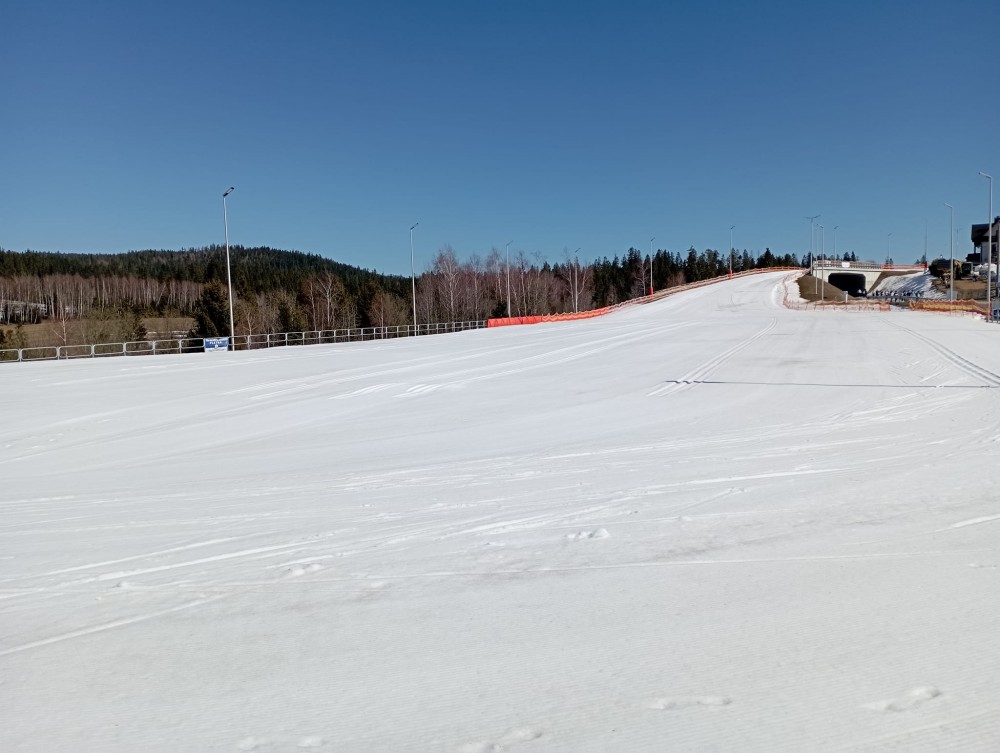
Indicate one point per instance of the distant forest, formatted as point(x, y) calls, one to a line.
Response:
point(289, 291)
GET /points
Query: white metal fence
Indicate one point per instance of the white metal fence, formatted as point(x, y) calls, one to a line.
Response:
point(241, 342)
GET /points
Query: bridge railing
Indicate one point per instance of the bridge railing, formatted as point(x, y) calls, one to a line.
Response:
point(831, 264)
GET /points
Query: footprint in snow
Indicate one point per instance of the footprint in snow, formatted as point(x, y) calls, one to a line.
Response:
point(251, 743)
point(911, 699)
point(371, 591)
point(510, 738)
point(300, 570)
point(600, 533)
point(256, 743)
point(669, 703)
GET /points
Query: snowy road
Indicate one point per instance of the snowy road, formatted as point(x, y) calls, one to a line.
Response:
point(707, 523)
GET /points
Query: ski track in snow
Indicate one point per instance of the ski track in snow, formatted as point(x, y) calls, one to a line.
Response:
point(495, 541)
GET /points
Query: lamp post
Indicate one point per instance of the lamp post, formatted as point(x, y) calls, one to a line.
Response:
point(951, 234)
point(888, 245)
point(508, 278)
point(731, 228)
point(989, 246)
point(812, 254)
point(822, 256)
point(651, 264)
point(229, 277)
point(413, 279)
point(835, 239)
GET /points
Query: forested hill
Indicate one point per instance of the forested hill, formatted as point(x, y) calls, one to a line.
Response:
point(288, 291)
point(255, 270)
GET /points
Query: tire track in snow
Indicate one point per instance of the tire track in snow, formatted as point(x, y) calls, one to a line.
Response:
point(805, 560)
point(122, 574)
point(963, 364)
point(106, 563)
point(110, 625)
point(973, 736)
point(701, 372)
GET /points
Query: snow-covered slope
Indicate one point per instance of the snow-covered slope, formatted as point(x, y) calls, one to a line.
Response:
point(920, 284)
point(706, 523)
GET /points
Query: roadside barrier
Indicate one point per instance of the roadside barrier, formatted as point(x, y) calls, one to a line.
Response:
point(951, 307)
point(514, 320)
point(240, 342)
point(882, 306)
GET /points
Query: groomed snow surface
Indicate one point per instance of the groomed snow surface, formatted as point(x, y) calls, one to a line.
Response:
point(709, 523)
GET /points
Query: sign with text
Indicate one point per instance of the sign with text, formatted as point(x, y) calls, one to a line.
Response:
point(216, 343)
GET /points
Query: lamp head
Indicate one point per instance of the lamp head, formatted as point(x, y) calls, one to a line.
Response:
point(228, 191)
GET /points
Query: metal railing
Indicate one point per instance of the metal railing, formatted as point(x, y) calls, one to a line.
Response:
point(240, 342)
point(869, 265)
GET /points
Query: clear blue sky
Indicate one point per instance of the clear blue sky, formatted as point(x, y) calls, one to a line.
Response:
point(556, 124)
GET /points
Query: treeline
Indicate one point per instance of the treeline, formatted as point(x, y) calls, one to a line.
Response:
point(621, 279)
point(285, 291)
point(36, 285)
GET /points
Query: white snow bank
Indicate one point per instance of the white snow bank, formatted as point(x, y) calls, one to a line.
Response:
point(919, 284)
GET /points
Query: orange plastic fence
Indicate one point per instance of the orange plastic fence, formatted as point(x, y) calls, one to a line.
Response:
point(965, 307)
point(508, 321)
point(866, 305)
point(513, 320)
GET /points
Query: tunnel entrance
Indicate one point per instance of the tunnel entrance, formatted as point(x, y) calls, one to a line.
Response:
point(850, 282)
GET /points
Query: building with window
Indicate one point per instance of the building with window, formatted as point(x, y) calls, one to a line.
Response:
point(980, 238)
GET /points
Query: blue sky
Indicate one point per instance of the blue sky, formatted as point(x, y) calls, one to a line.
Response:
point(553, 124)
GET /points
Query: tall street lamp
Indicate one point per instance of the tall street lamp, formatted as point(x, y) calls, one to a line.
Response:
point(731, 228)
point(822, 256)
point(989, 245)
point(835, 240)
point(229, 277)
point(508, 278)
point(812, 253)
point(651, 264)
point(413, 279)
point(951, 234)
point(888, 245)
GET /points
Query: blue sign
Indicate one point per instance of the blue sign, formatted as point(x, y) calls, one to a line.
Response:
point(216, 343)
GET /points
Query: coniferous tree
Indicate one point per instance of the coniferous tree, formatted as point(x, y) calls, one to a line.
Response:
point(212, 312)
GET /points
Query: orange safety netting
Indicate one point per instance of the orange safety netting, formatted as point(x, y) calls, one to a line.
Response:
point(512, 320)
point(968, 307)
